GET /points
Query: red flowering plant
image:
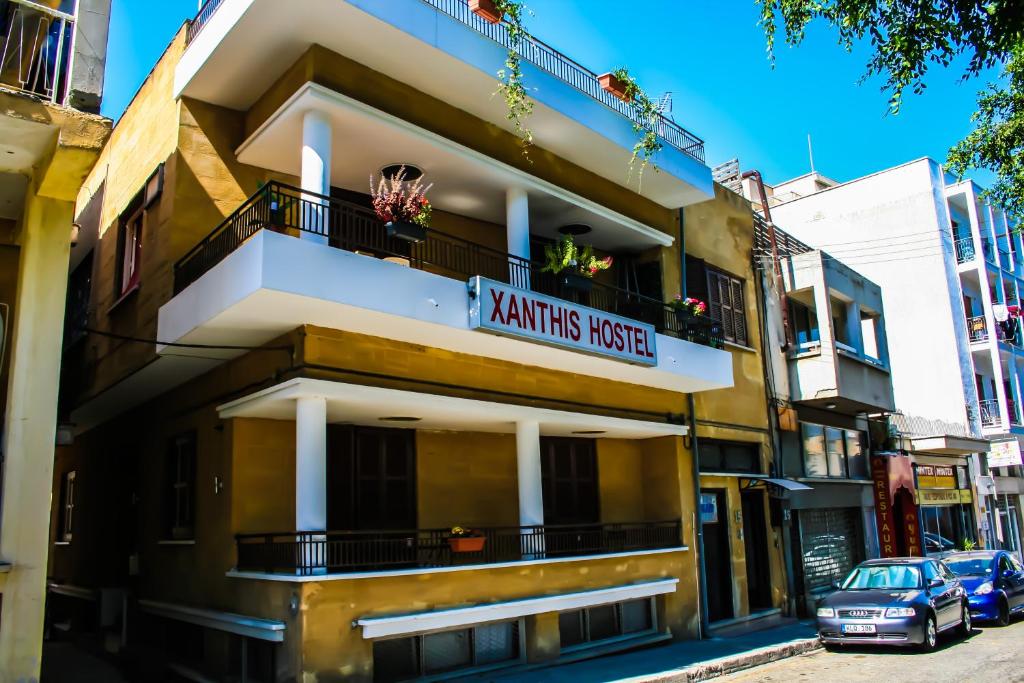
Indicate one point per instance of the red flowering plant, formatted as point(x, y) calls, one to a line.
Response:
point(689, 305)
point(396, 200)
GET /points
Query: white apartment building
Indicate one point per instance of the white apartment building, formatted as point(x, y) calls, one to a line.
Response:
point(950, 267)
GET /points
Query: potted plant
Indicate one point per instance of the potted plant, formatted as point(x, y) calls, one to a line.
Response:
point(574, 266)
point(688, 308)
point(402, 206)
point(486, 10)
point(464, 540)
point(611, 82)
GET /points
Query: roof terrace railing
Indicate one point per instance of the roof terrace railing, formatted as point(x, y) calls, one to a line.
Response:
point(540, 55)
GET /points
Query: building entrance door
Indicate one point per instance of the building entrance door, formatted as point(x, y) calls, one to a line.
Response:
point(716, 557)
point(755, 542)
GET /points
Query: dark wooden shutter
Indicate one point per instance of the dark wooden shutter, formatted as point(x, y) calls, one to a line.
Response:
point(738, 311)
point(696, 278)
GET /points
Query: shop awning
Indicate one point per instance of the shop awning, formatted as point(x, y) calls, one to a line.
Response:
point(789, 484)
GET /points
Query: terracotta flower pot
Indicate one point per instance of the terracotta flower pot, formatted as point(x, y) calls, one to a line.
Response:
point(467, 544)
point(486, 10)
point(615, 86)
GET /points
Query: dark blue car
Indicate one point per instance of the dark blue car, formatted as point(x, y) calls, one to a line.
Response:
point(994, 581)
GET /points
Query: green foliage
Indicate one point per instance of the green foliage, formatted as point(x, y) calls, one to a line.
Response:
point(648, 145)
point(968, 545)
point(909, 37)
point(511, 87)
point(997, 141)
point(566, 256)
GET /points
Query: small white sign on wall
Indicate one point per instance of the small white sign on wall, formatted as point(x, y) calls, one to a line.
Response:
point(1004, 454)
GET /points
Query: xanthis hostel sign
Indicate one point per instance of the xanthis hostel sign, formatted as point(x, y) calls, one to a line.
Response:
point(502, 309)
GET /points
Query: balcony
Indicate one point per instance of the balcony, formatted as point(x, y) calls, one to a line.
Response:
point(990, 417)
point(238, 48)
point(36, 52)
point(977, 329)
point(965, 250)
point(334, 552)
point(287, 258)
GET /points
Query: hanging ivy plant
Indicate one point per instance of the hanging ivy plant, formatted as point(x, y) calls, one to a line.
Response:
point(519, 105)
point(648, 144)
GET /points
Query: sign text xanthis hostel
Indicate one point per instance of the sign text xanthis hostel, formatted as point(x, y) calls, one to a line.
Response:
point(506, 310)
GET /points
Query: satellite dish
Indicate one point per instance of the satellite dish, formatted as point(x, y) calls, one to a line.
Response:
point(1001, 313)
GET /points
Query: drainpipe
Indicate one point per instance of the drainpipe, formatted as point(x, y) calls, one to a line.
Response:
point(698, 526)
point(776, 264)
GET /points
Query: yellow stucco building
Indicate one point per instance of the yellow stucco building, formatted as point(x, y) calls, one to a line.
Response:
point(283, 410)
point(50, 137)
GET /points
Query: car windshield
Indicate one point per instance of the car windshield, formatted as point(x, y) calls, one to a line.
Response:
point(976, 565)
point(883, 576)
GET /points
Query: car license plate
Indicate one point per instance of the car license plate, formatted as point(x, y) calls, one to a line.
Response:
point(858, 628)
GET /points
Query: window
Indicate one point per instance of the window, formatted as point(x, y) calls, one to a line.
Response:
point(869, 327)
point(179, 502)
point(581, 627)
point(130, 251)
point(840, 322)
point(729, 456)
point(487, 645)
point(725, 304)
point(724, 296)
point(66, 512)
point(833, 452)
point(805, 324)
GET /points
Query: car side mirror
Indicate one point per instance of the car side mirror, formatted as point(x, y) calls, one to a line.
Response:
point(836, 584)
point(935, 583)
point(1008, 573)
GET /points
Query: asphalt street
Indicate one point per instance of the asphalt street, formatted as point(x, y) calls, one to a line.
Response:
point(990, 654)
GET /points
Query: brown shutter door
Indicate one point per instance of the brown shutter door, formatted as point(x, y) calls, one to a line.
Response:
point(738, 311)
point(725, 298)
point(715, 297)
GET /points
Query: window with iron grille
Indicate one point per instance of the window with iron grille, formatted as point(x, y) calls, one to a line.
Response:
point(66, 511)
point(480, 647)
point(729, 456)
point(723, 294)
point(831, 543)
point(579, 628)
point(180, 484)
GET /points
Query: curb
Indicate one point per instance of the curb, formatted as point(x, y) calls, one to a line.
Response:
point(713, 668)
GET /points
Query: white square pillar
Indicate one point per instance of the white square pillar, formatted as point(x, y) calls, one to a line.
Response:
point(517, 227)
point(315, 175)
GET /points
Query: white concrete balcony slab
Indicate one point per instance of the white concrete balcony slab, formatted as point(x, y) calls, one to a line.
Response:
point(274, 283)
point(240, 47)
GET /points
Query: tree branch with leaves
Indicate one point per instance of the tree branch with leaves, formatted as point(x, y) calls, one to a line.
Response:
point(909, 37)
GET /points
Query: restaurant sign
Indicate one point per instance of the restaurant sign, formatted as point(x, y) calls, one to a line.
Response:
point(502, 309)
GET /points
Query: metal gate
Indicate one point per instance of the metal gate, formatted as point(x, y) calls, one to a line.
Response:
point(832, 545)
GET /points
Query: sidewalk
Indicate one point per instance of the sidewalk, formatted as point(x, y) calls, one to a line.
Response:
point(64, 662)
point(683, 662)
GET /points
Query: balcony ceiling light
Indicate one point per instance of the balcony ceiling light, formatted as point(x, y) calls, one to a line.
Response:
point(575, 229)
point(400, 418)
point(830, 406)
point(411, 172)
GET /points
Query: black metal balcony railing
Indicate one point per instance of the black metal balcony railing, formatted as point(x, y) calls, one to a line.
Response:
point(989, 409)
point(964, 250)
point(1011, 409)
point(542, 56)
point(36, 50)
point(351, 227)
point(308, 552)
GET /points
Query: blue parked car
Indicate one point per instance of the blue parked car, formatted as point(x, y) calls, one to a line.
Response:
point(994, 581)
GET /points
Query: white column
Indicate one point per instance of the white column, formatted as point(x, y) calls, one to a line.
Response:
point(517, 226)
point(531, 491)
point(311, 463)
point(315, 173)
point(311, 480)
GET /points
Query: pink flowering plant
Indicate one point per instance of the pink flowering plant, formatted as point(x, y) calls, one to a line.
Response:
point(397, 200)
point(689, 305)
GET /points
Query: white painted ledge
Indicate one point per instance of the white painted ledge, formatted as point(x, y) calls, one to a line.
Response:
point(240, 624)
point(418, 622)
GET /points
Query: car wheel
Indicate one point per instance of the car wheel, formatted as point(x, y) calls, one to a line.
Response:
point(1004, 613)
point(931, 635)
point(965, 620)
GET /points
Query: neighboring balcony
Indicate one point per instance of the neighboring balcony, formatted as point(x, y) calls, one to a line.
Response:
point(1007, 332)
point(287, 258)
point(36, 50)
point(990, 415)
point(339, 552)
point(965, 251)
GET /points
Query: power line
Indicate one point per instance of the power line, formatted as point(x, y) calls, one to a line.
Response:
point(222, 347)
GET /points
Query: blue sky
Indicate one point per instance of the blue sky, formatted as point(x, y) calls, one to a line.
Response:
point(711, 55)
